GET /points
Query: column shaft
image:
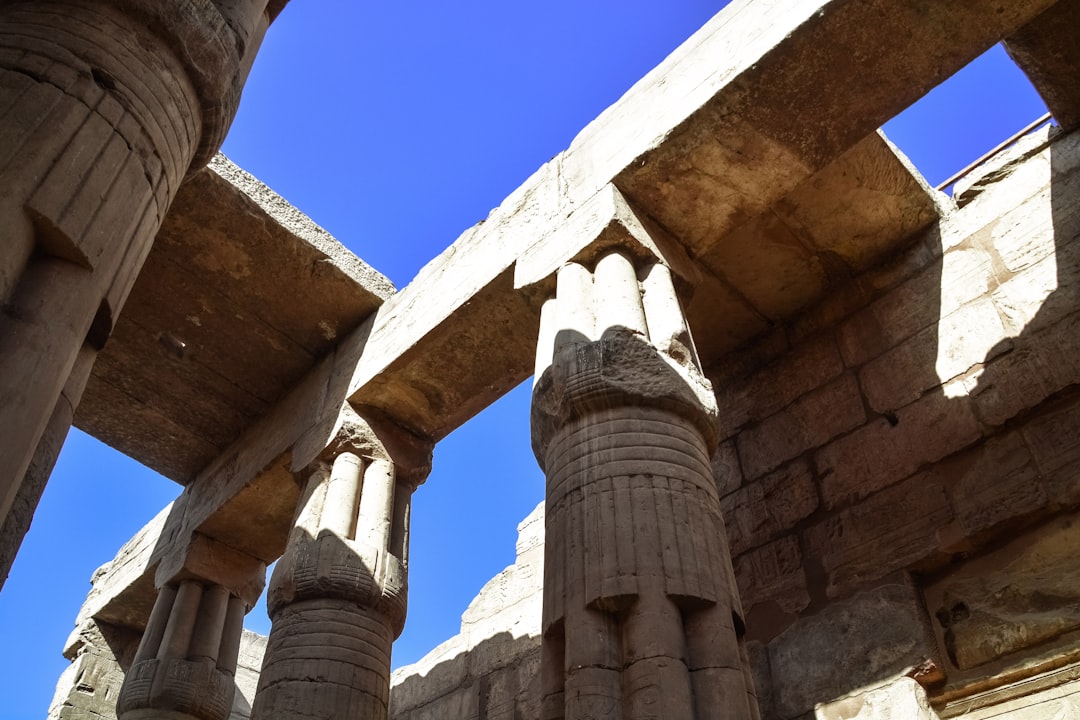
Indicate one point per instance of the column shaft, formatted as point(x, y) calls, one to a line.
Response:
point(337, 599)
point(186, 661)
point(104, 108)
point(639, 602)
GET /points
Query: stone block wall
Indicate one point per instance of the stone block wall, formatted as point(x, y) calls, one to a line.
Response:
point(900, 464)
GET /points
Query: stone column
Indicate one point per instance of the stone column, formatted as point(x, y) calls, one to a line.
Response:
point(337, 598)
point(14, 527)
point(641, 614)
point(186, 662)
point(105, 107)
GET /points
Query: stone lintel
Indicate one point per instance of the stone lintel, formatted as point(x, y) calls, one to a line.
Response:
point(207, 559)
point(208, 342)
point(1046, 49)
point(605, 222)
point(693, 148)
point(374, 436)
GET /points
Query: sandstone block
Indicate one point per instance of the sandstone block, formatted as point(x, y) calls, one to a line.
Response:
point(804, 369)
point(899, 699)
point(1024, 594)
point(1054, 439)
point(967, 273)
point(844, 303)
point(991, 483)
point(971, 335)
point(768, 506)
point(461, 703)
point(897, 315)
point(1024, 235)
point(1056, 703)
point(809, 422)
point(901, 375)
point(1021, 297)
point(888, 531)
point(851, 644)
point(883, 451)
point(89, 686)
point(1042, 362)
point(774, 575)
point(725, 468)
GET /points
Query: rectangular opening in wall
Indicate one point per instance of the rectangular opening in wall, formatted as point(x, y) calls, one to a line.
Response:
point(967, 118)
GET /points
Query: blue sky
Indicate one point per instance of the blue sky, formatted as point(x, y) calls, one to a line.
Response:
point(397, 127)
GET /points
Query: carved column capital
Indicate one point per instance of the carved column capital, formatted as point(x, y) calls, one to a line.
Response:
point(616, 336)
point(338, 596)
point(640, 605)
point(186, 661)
point(207, 560)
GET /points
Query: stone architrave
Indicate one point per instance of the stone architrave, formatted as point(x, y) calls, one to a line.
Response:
point(337, 598)
point(641, 614)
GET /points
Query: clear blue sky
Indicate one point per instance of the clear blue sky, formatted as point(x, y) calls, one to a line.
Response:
point(397, 127)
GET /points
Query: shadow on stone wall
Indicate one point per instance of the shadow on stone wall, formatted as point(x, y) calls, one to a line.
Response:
point(944, 423)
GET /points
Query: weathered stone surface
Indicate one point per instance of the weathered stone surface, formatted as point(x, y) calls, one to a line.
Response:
point(773, 578)
point(888, 321)
point(886, 450)
point(806, 367)
point(990, 484)
point(1053, 441)
point(1058, 702)
point(1047, 52)
point(766, 507)
point(885, 532)
point(861, 641)
point(494, 662)
point(776, 208)
point(1026, 593)
point(808, 423)
point(89, 686)
point(725, 468)
point(226, 249)
point(249, 663)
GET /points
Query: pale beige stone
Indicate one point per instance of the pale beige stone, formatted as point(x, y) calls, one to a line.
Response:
point(925, 402)
point(900, 699)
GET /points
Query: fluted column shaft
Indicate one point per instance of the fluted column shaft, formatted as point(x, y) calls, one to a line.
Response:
point(105, 106)
point(337, 598)
point(185, 665)
point(641, 616)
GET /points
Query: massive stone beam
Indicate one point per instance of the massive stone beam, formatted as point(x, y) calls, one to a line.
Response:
point(1047, 50)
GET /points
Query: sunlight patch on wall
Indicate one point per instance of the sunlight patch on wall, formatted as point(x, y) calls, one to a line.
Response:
point(994, 283)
